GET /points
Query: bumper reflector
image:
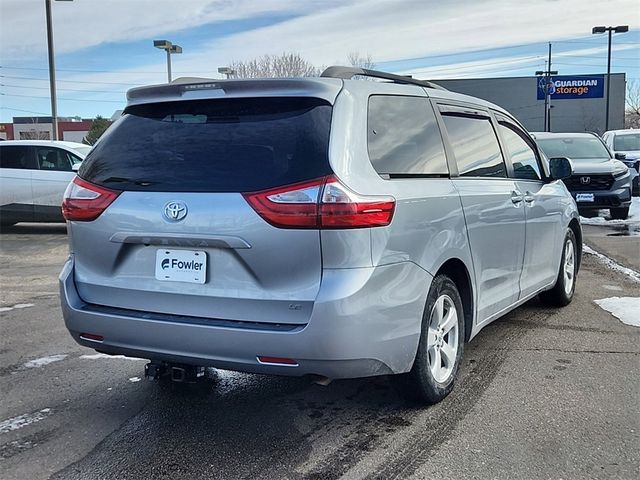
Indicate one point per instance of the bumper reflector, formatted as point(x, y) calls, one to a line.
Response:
point(278, 361)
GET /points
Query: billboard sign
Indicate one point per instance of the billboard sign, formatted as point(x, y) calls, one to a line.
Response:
point(572, 87)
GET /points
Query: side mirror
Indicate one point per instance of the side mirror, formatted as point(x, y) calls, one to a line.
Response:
point(621, 156)
point(560, 168)
point(75, 167)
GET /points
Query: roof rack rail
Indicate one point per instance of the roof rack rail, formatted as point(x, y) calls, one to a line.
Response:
point(347, 73)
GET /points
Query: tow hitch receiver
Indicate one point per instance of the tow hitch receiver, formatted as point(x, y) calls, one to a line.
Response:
point(178, 372)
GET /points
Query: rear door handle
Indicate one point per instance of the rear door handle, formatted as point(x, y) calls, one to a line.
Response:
point(516, 198)
point(528, 197)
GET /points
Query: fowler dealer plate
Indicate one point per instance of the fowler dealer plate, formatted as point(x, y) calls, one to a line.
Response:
point(181, 265)
point(585, 197)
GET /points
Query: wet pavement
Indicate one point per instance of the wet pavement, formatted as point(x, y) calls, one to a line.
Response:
point(543, 393)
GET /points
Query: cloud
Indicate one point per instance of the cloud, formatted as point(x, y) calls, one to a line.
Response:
point(87, 23)
point(392, 30)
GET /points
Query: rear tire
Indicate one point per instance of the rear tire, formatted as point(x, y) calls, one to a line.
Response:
point(562, 292)
point(619, 213)
point(440, 348)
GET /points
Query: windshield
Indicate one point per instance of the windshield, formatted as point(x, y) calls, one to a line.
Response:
point(84, 151)
point(223, 145)
point(574, 147)
point(626, 142)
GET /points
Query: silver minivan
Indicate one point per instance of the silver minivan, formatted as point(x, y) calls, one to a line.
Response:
point(331, 227)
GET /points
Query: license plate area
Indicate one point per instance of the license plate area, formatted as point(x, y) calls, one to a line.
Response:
point(585, 197)
point(188, 266)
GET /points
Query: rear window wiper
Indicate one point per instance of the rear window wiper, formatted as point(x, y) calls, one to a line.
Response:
point(140, 182)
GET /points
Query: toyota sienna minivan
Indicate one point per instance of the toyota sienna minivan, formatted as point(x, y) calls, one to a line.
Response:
point(330, 227)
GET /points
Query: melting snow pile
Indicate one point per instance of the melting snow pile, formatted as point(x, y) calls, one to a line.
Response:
point(633, 219)
point(41, 362)
point(625, 309)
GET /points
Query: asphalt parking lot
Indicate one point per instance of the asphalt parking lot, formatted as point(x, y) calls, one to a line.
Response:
point(543, 393)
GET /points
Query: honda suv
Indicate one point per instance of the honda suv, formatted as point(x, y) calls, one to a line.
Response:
point(599, 180)
point(329, 227)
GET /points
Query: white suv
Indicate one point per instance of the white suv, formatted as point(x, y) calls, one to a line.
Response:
point(33, 177)
point(625, 145)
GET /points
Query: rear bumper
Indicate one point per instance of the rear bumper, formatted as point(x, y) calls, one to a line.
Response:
point(365, 322)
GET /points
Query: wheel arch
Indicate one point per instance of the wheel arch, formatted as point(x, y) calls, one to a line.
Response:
point(458, 272)
point(574, 225)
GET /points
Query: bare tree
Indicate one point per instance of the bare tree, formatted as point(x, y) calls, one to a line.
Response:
point(35, 133)
point(355, 59)
point(285, 65)
point(632, 111)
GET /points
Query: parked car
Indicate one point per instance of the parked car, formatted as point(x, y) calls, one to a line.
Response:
point(625, 144)
point(33, 177)
point(329, 226)
point(599, 181)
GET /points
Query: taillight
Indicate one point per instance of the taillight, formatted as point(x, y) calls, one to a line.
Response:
point(322, 203)
point(84, 201)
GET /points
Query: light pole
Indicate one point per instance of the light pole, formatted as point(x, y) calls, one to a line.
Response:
point(610, 30)
point(228, 71)
point(52, 68)
point(547, 93)
point(170, 48)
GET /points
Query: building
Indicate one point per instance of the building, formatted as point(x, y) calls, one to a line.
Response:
point(41, 128)
point(578, 102)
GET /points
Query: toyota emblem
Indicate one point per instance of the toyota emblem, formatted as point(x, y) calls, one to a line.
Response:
point(175, 211)
point(585, 180)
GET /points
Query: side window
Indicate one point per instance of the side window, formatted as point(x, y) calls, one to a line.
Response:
point(53, 159)
point(523, 157)
point(403, 137)
point(14, 156)
point(474, 145)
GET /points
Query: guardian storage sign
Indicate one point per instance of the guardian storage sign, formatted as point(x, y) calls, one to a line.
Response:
point(564, 87)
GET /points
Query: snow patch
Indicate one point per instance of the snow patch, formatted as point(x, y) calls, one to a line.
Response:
point(17, 305)
point(96, 356)
point(134, 379)
point(24, 420)
point(612, 264)
point(602, 219)
point(41, 362)
point(625, 309)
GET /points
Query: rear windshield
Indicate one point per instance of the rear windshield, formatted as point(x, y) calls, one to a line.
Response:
point(221, 145)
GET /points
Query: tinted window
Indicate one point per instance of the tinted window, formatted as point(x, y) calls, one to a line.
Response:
point(523, 158)
point(54, 159)
point(403, 136)
point(475, 146)
point(14, 156)
point(576, 148)
point(222, 145)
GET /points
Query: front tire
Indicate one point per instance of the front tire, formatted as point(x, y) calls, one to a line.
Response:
point(562, 292)
point(619, 213)
point(440, 348)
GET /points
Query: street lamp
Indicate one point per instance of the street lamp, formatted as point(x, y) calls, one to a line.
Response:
point(52, 68)
point(610, 30)
point(228, 71)
point(170, 48)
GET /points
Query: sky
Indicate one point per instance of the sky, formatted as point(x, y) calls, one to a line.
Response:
point(105, 47)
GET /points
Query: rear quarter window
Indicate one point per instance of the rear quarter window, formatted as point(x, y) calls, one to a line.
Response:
point(221, 145)
point(403, 138)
